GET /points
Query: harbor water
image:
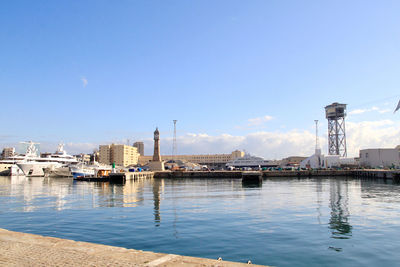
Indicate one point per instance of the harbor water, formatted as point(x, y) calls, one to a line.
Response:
point(280, 222)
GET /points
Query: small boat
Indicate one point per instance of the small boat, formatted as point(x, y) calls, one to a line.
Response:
point(82, 170)
point(101, 175)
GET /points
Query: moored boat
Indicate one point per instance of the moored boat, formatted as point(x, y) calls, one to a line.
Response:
point(82, 170)
point(38, 166)
point(63, 171)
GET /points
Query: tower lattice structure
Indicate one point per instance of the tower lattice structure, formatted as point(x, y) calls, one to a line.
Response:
point(336, 113)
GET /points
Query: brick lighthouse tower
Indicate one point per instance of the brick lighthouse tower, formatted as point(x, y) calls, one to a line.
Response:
point(156, 164)
point(156, 155)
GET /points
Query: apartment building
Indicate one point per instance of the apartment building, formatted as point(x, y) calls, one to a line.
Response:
point(121, 155)
point(8, 152)
point(140, 147)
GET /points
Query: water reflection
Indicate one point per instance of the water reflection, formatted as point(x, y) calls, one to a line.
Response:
point(319, 199)
point(30, 194)
point(156, 200)
point(339, 200)
point(133, 193)
point(128, 194)
point(252, 183)
point(37, 192)
point(380, 190)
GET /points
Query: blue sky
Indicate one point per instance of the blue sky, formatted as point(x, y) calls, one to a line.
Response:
point(92, 72)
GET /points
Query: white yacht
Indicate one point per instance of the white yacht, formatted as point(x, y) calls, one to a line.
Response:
point(59, 156)
point(250, 161)
point(8, 167)
point(11, 162)
point(37, 166)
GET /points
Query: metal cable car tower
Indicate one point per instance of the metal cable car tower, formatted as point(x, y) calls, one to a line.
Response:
point(174, 145)
point(335, 113)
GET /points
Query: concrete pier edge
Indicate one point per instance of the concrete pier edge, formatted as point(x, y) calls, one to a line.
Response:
point(356, 173)
point(23, 249)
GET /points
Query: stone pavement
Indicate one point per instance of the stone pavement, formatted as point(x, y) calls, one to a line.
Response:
point(21, 249)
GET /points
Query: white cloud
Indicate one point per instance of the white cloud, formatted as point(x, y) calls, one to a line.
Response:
point(361, 111)
point(84, 82)
point(384, 111)
point(259, 121)
point(357, 111)
point(371, 134)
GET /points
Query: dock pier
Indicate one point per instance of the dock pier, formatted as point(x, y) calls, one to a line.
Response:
point(118, 177)
point(121, 177)
point(356, 173)
point(251, 174)
point(198, 174)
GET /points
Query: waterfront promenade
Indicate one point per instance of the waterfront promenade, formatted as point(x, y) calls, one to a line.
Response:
point(22, 249)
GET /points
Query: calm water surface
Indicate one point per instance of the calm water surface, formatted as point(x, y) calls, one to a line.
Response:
point(282, 222)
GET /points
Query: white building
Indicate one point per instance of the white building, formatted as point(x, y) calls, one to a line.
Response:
point(379, 157)
point(319, 161)
point(315, 161)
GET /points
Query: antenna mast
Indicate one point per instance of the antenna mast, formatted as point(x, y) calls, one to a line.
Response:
point(174, 145)
point(316, 135)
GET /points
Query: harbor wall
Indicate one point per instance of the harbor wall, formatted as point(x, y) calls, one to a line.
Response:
point(360, 173)
point(198, 174)
point(356, 173)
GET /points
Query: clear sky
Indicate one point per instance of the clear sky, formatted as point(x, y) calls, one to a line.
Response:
point(250, 75)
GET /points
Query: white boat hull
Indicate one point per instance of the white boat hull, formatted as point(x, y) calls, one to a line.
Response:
point(37, 168)
point(15, 171)
point(82, 171)
point(58, 172)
